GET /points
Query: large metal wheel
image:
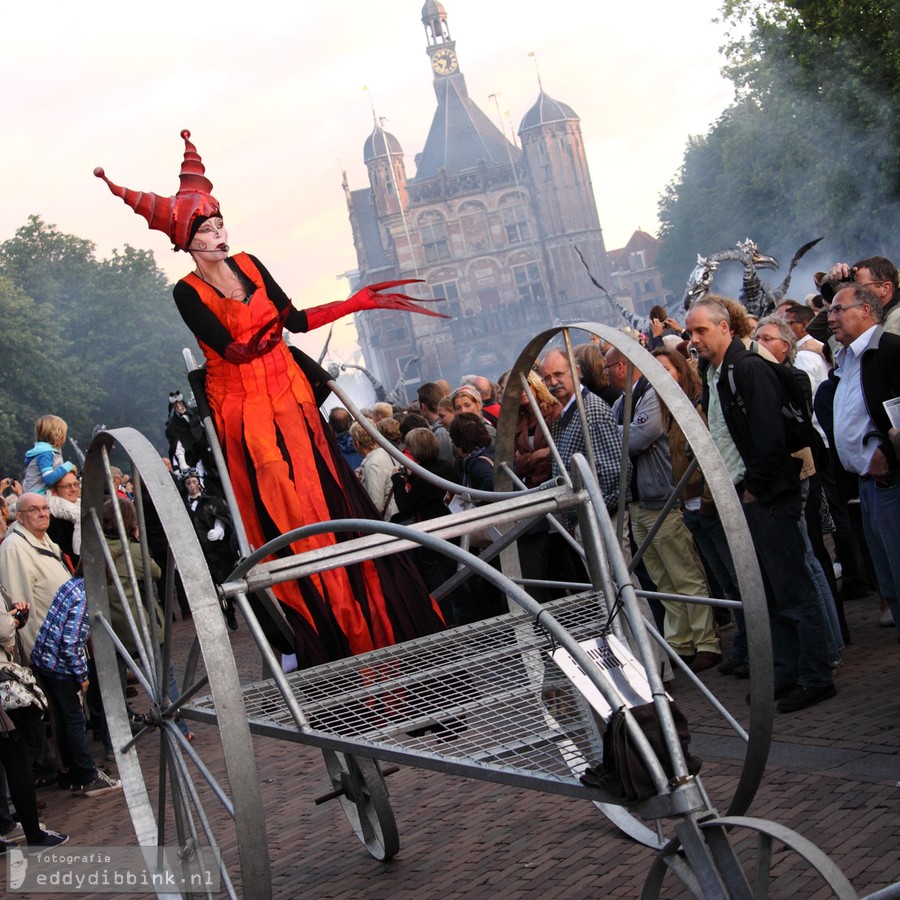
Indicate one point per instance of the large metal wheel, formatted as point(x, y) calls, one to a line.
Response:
point(361, 790)
point(173, 796)
point(743, 857)
point(756, 737)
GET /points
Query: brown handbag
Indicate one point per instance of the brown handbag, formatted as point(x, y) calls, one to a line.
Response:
point(622, 771)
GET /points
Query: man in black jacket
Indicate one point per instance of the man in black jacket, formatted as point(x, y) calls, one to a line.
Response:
point(212, 522)
point(868, 369)
point(742, 397)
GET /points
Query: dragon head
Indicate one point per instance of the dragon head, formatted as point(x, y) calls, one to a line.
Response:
point(752, 255)
point(700, 280)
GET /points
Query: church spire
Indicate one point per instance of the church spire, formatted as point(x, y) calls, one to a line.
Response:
point(441, 47)
point(434, 18)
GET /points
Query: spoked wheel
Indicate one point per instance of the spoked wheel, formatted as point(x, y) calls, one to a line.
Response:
point(173, 795)
point(757, 736)
point(746, 857)
point(361, 790)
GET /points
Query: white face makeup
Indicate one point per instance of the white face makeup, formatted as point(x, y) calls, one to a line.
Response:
point(211, 238)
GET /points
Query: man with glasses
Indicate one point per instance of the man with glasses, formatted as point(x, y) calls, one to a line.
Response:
point(568, 434)
point(64, 498)
point(742, 398)
point(810, 352)
point(875, 273)
point(868, 369)
point(31, 565)
point(848, 531)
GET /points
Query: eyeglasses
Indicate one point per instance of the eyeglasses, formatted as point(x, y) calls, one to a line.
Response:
point(837, 308)
point(35, 509)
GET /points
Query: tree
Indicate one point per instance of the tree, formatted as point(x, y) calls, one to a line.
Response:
point(106, 334)
point(37, 375)
point(808, 148)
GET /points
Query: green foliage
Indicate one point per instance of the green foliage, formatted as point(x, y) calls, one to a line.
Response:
point(37, 374)
point(808, 148)
point(94, 341)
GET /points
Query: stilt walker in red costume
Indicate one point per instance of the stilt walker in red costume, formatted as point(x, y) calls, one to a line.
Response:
point(285, 468)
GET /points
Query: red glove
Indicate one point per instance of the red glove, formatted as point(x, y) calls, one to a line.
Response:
point(260, 343)
point(368, 298)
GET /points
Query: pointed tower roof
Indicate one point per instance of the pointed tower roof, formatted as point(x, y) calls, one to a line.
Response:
point(545, 111)
point(461, 135)
point(380, 143)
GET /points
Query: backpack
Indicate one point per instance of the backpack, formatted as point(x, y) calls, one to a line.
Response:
point(796, 404)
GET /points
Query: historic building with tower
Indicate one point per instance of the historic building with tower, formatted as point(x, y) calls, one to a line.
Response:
point(493, 227)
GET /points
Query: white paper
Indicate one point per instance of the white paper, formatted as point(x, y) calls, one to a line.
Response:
point(892, 408)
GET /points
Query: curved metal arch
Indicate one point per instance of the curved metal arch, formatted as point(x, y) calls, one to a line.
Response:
point(234, 731)
point(729, 508)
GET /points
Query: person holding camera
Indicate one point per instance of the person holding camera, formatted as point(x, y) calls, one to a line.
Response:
point(10, 486)
point(877, 275)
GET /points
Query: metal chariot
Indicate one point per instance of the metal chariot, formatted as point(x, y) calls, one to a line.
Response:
point(492, 700)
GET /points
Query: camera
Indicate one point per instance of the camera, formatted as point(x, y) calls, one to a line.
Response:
point(20, 615)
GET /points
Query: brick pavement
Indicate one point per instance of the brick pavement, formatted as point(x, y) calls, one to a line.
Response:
point(833, 776)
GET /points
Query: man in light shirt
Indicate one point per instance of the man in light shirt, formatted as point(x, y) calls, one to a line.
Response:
point(868, 366)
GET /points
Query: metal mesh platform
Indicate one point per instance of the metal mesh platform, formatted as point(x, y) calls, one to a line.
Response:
point(484, 695)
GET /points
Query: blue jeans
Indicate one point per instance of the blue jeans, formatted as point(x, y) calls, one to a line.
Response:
point(799, 643)
point(827, 606)
point(881, 525)
point(65, 697)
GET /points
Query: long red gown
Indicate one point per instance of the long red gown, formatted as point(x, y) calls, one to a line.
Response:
point(287, 473)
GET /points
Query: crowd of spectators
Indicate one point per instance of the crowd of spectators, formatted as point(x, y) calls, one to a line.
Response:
point(841, 346)
point(842, 483)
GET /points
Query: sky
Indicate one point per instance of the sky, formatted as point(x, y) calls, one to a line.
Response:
point(279, 99)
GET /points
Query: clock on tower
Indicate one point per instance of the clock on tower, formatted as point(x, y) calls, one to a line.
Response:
point(444, 61)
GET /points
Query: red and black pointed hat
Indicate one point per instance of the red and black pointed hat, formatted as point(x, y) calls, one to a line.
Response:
point(176, 215)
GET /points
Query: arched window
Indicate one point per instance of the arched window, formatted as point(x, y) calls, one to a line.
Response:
point(433, 232)
point(515, 218)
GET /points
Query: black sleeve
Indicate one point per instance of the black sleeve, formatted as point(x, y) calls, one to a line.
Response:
point(205, 325)
point(758, 385)
point(296, 320)
point(408, 502)
point(202, 321)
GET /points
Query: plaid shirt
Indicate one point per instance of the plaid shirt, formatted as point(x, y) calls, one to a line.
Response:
point(606, 441)
point(59, 647)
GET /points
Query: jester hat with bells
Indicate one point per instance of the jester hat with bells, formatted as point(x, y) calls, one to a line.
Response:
point(175, 216)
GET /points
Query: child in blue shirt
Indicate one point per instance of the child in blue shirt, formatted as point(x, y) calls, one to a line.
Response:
point(44, 464)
